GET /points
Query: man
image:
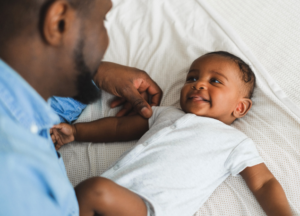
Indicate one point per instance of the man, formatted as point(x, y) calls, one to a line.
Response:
point(51, 47)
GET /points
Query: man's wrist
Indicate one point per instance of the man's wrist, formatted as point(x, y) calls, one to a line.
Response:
point(99, 75)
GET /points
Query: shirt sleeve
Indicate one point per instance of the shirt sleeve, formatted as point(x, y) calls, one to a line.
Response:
point(242, 156)
point(68, 109)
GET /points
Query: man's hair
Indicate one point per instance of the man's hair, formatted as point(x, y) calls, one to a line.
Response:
point(19, 16)
point(247, 75)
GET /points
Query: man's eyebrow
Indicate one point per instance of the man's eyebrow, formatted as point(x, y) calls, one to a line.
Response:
point(216, 72)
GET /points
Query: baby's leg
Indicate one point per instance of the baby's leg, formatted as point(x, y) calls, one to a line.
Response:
point(100, 196)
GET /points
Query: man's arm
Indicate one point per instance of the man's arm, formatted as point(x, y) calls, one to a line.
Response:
point(267, 190)
point(110, 129)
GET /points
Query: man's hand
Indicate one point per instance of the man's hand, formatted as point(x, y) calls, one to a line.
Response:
point(62, 134)
point(131, 85)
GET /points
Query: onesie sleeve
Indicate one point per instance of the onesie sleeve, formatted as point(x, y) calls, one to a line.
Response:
point(156, 112)
point(242, 156)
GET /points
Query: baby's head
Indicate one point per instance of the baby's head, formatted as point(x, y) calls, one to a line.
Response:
point(219, 85)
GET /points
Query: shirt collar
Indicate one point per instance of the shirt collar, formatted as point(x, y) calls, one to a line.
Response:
point(23, 103)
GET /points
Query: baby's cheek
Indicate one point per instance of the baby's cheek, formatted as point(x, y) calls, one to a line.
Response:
point(183, 94)
point(222, 101)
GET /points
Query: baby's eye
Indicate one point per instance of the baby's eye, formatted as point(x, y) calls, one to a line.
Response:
point(213, 80)
point(191, 79)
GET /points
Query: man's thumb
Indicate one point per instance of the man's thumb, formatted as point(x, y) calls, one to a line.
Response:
point(139, 103)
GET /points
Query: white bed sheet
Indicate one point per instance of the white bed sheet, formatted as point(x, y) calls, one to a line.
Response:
point(271, 30)
point(163, 37)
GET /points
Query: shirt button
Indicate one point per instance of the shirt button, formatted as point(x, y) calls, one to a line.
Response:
point(173, 127)
point(34, 129)
point(116, 167)
point(146, 143)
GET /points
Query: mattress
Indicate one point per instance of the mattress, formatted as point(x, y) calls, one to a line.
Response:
point(163, 37)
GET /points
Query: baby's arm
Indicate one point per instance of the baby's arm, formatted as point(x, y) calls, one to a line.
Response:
point(111, 129)
point(267, 190)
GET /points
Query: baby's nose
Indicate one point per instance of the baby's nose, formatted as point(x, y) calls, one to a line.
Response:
point(199, 85)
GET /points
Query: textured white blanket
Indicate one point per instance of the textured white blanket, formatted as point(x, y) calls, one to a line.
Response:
point(163, 37)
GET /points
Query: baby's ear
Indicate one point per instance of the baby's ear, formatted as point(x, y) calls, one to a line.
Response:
point(242, 107)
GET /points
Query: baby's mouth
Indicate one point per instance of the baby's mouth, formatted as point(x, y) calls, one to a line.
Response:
point(198, 98)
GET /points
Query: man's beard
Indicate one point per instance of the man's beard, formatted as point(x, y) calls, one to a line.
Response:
point(87, 91)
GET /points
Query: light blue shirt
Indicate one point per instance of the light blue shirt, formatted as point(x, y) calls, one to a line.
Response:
point(33, 178)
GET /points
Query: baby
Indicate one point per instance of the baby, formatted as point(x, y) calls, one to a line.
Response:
point(182, 155)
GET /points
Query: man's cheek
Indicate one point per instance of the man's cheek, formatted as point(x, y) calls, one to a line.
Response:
point(104, 41)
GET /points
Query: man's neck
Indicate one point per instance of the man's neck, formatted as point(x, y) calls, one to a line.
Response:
point(29, 61)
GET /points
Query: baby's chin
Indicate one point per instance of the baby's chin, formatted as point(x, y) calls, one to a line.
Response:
point(197, 112)
point(201, 113)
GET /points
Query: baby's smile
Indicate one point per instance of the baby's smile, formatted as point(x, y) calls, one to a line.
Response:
point(198, 97)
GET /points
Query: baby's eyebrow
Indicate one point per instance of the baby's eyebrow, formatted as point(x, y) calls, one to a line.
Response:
point(193, 70)
point(220, 74)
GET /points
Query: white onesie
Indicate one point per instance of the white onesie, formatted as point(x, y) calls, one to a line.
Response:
point(181, 160)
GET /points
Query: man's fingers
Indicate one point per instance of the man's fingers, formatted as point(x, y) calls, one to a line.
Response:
point(145, 96)
point(137, 100)
point(155, 100)
point(117, 102)
point(125, 110)
point(127, 107)
point(154, 91)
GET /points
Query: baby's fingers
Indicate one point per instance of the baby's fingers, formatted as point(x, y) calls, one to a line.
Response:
point(58, 127)
point(59, 140)
point(53, 138)
point(57, 147)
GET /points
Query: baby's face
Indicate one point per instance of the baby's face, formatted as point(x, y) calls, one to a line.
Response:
point(212, 89)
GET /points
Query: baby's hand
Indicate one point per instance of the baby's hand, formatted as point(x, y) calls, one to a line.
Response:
point(62, 134)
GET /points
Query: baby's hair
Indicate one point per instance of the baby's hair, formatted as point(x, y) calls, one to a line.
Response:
point(247, 74)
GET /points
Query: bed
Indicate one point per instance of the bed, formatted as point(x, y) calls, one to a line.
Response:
point(163, 37)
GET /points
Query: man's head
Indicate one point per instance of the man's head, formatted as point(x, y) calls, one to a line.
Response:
point(62, 41)
point(218, 85)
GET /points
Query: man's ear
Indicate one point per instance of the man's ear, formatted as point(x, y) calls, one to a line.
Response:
point(57, 21)
point(242, 108)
